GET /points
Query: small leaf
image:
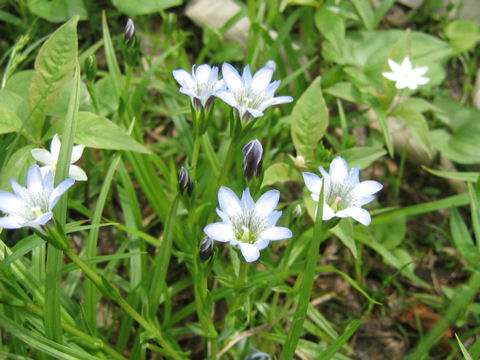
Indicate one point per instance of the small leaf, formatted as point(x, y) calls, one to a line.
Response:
point(463, 35)
point(332, 26)
point(344, 231)
point(280, 172)
point(362, 157)
point(98, 132)
point(9, 121)
point(418, 126)
point(16, 167)
point(58, 10)
point(53, 70)
point(309, 120)
point(144, 7)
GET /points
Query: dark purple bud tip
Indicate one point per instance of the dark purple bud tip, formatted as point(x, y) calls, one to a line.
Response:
point(253, 159)
point(207, 248)
point(184, 181)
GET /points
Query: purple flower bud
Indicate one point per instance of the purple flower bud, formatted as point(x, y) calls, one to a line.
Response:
point(129, 31)
point(253, 160)
point(207, 248)
point(184, 181)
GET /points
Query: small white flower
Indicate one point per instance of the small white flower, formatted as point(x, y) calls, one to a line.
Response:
point(31, 206)
point(202, 85)
point(250, 96)
point(405, 75)
point(246, 224)
point(344, 194)
point(50, 159)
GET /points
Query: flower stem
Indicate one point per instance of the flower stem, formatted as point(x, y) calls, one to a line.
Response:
point(306, 285)
point(196, 151)
point(111, 292)
point(227, 163)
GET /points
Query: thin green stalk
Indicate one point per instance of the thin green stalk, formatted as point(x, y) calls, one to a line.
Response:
point(307, 284)
point(227, 163)
point(196, 151)
point(52, 319)
point(109, 291)
point(79, 334)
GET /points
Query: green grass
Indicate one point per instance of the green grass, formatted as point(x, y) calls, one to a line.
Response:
point(119, 274)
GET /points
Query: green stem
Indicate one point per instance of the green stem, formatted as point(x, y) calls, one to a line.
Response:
point(79, 334)
point(307, 284)
point(102, 286)
point(196, 151)
point(52, 318)
point(227, 163)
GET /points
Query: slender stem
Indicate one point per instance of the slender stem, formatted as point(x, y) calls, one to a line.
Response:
point(196, 151)
point(228, 162)
point(52, 314)
point(306, 285)
point(97, 280)
point(78, 333)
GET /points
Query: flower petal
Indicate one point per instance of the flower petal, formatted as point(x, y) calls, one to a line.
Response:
point(328, 212)
point(43, 156)
point(220, 232)
point(232, 77)
point(77, 173)
point(313, 182)
point(9, 203)
point(276, 233)
point(55, 147)
point(229, 202)
point(34, 179)
point(368, 187)
point(9, 222)
point(250, 252)
point(227, 96)
point(261, 79)
point(359, 214)
point(184, 78)
point(77, 151)
point(247, 200)
point(59, 190)
point(338, 170)
point(267, 203)
point(203, 73)
point(273, 218)
point(394, 66)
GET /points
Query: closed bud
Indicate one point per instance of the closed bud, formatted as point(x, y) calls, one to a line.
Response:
point(129, 31)
point(259, 356)
point(184, 181)
point(253, 159)
point(206, 249)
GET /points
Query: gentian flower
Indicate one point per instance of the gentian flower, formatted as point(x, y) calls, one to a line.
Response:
point(405, 75)
point(250, 96)
point(253, 159)
point(344, 195)
point(50, 159)
point(202, 85)
point(246, 224)
point(31, 206)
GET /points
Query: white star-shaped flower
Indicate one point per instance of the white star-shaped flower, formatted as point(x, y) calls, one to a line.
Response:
point(250, 96)
point(344, 194)
point(246, 224)
point(202, 85)
point(50, 158)
point(405, 75)
point(31, 206)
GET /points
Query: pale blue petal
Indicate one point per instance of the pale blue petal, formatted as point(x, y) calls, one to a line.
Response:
point(328, 212)
point(228, 97)
point(313, 182)
point(247, 200)
point(271, 88)
point(184, 78)
point(34, 179)
point(223, 216)
point(59, 190)
point(338, 170)
point(220, 232)
point(276, 233)
point(250, 252)
point(229, 202)
point(261, 79)
point(231, 78)
point(368, 187)
point(267, 203)
point(273, 218)
point(246, 76)
point(359, 214)
point(254, 112)
point(203, 73)
point(9, 222)
point(19, 190)
point(9, 203)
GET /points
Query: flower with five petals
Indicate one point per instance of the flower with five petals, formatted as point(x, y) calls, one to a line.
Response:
point(344, 194)
point(246, 224)
point(405, 75)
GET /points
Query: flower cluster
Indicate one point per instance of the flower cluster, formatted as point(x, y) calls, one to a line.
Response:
point(248, 95)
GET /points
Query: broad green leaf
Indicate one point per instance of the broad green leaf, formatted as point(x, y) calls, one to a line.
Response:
point(461, 146)
point(392, 232)
point(387, 135)
point(143, 7)
point(344, 231)
point(309, 120)
point(9, 100)
point(9, 121)
point(332, 27)
point(418, 126)
point(53, 70)
point(58, 10)
point(463, 35)
point(453, 114)
point(16, 167)
point(346, 91)
point(280, 172)
point(362, 157)
point(364, 9)
point(462, 240)
point(98, 132)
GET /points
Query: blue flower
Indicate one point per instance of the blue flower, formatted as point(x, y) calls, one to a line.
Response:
point(250, 95)
point(246, 224)
point(31, 206)
point(344, 194)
